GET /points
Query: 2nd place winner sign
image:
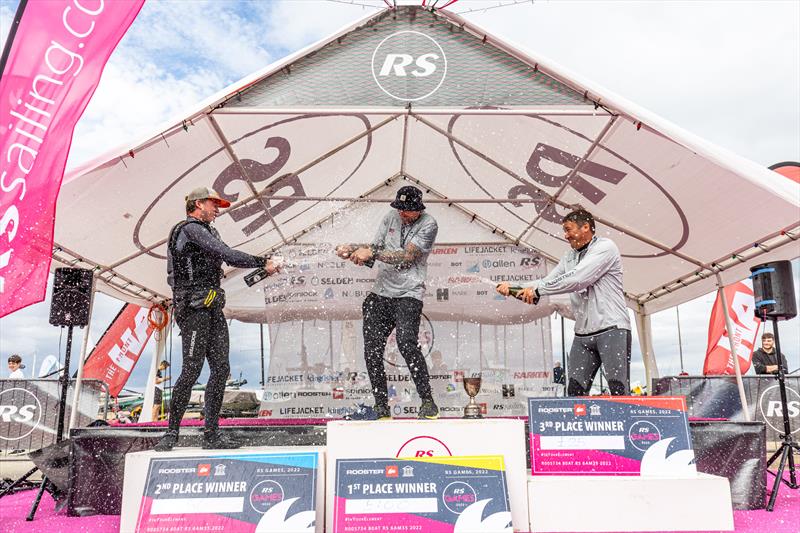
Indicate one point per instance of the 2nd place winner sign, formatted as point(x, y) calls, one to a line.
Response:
point(248, 492)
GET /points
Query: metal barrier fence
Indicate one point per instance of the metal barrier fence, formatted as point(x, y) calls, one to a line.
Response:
point(718, 397)
point(29, 411)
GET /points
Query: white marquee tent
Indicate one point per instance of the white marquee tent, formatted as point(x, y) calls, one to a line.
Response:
point(312, 148)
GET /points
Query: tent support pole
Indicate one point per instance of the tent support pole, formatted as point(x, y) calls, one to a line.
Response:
point(572, 174)
point(734, 347)
point(644, 327)
point(244, 174)
point(76, 395)
point(556, 201)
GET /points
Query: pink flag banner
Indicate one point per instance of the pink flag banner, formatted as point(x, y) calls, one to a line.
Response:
point(53, 66)
point(719, 357)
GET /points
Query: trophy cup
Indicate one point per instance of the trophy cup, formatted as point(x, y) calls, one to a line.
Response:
point(472, 384)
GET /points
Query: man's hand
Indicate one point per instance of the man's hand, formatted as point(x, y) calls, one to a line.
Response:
point(361, 256)
point(271, 267)
point(344, 251)
point(772, 369)
point(528, 295)
point(502, 288)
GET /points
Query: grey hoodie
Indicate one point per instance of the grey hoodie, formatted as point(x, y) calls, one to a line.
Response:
point(593, 279)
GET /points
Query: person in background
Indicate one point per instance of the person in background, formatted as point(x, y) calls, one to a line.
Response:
point(15, 367)
point(159, 392)
point(558, 373)
point(765, 359)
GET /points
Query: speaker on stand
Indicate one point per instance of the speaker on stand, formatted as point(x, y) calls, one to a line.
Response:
point(773, 288)
point(70, 307)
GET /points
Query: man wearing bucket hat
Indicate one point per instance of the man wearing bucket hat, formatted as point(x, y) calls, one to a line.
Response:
point(401, 246)
point(195, 254)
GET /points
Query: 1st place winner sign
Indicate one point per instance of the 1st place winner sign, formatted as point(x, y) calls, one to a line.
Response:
point(614, 435)
point(248, 493)
point(430, 495)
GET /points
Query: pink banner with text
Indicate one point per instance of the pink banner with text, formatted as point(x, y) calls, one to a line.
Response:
point(53, 68)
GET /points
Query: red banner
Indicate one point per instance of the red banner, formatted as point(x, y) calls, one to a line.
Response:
point(118, 351)
point(56, 53)
point(719, 360)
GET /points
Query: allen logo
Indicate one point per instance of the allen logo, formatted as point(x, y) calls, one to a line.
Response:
point(203, 469)
point(392, 471)
point(579, 409)
point(409, 66)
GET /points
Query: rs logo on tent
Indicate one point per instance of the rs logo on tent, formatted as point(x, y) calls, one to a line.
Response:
point(409, 65)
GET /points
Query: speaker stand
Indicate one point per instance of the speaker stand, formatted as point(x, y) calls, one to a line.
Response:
point(62, 409)
point(788, 445)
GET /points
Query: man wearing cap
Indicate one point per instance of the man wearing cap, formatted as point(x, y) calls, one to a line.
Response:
point(401, 246)
point(195, 254)
point(765, 359)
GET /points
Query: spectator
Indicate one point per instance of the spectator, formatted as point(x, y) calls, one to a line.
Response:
point(765, 359)
point(15, 367)
point(558, 374)
point(159, 393)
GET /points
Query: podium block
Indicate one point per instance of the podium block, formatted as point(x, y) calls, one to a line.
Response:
point(235, 471)
point(624, 503)
point(427, 438)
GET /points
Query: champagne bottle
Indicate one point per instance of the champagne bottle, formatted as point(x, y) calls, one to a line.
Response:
point(261, 273)
point(515, 291)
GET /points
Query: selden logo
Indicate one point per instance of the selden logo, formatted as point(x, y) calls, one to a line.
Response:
point(409, 66)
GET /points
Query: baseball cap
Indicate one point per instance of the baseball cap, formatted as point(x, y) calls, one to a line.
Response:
point(409, 198)
point(203, 193)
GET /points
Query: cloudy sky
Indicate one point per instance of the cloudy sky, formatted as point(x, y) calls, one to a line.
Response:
point(726, 71)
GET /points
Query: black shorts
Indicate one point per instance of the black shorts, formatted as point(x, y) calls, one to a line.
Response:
point(157, 397)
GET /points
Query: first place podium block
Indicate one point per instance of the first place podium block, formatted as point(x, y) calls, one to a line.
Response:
point(629, 503)
point(256, 489)
point(429, 438)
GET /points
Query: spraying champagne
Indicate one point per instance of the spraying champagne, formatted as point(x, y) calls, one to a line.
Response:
point(260, 274)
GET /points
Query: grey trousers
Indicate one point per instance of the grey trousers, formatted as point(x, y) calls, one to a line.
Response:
point(610, 348)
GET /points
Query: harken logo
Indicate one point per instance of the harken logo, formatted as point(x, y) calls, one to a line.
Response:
point(20, 413)
point(409, 66)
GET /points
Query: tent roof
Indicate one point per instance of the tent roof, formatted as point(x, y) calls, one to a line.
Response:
point(503, 142)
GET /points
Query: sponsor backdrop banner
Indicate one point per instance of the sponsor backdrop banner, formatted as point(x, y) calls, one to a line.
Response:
point(718, 397)
point(53, 67)
point(630, 435)
point(317, 367)
point(113, 358)
point(244, 492)
point(435, 494)
point(29, 410)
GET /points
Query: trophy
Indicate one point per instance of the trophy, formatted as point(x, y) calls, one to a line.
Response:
point(472, 385)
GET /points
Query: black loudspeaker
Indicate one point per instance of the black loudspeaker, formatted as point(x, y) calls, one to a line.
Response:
point(72, 292)
point(773, 286)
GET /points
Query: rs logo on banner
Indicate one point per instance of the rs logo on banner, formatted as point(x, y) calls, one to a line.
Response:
point(719, 360)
